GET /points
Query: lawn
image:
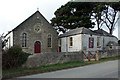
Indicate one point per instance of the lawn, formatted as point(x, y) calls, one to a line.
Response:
point(52, 67)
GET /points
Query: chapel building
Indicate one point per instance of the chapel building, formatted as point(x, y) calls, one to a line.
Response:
point(34, 35)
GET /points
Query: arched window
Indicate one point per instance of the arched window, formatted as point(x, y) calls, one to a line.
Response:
point(49, 41)
point(24, 40)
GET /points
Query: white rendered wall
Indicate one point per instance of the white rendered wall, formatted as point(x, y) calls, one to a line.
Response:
point(107, 39)
point(81, 42)
point(10, 40)
point(85, 42)
point(65, 46)
point(77, 44)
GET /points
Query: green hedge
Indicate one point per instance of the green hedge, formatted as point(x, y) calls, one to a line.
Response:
point(13, 57)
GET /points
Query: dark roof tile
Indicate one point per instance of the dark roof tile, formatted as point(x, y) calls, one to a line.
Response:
point(76, 31)
point(84, 30)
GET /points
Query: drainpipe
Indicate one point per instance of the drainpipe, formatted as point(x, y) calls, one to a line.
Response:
point(103, 43)
point(66, 45)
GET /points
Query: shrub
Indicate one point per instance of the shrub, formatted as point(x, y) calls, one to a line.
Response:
point(13, 57)
point(119, 42)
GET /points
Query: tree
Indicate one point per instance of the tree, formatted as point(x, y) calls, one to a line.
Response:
point(119, 42)
point(110, 15)
point(81, 14)
point(73, 15)
point(3, 40)
point(97, 14)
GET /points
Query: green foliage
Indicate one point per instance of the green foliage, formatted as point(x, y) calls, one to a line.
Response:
point(97, 14)
point(115, 6)
point(80, 14)
point(110, 15)
point(73, 15)
point(119, 42)
point(13, 57)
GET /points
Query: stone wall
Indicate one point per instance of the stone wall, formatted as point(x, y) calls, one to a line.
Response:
point(52, 58)
point(28, 27)
point(108, 53)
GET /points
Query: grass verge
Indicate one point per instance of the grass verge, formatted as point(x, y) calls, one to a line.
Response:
point(52, 67)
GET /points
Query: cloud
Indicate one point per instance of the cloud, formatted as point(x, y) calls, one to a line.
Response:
point(13, 12)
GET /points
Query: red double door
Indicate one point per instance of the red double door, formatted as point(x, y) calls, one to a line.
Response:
point(37, 47)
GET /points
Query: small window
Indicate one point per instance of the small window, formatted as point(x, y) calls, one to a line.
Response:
point(91, 42)
point(98, 42)
point(59, 42)
point(71, 41)
point(49, 41)
point(9, 42)
point(24, 40)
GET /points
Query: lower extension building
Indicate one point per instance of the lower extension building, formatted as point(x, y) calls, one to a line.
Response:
point(85, 39)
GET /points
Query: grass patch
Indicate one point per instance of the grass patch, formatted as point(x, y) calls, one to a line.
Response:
point(52, 67)
point(110, 58)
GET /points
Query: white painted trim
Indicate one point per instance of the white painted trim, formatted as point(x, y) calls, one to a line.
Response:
point(21, 36)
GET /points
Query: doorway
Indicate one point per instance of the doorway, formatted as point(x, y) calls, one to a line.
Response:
point(37, 47)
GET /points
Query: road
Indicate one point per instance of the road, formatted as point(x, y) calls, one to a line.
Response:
point(102, 70)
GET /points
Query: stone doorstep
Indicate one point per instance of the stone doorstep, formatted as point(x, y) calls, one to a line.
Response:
point(90, 59)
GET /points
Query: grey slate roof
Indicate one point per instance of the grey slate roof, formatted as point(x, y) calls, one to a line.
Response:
point(84, 30)
point(103, 33)
point(76, 31)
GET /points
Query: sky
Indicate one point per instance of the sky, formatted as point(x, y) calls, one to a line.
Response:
point(119, 29)
point(14, 12)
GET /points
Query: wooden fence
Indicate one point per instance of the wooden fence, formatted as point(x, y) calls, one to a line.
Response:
point(90, 55)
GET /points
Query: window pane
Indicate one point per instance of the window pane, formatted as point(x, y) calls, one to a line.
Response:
point(24, 40)
point(49, 41)
point(98, 41)
point(71, 41)
point(91, 42)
